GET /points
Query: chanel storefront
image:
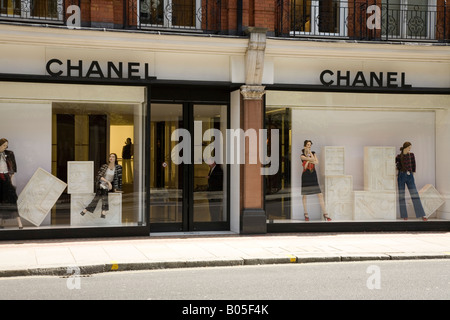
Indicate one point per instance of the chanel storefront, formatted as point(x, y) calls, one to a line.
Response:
point(61, 134)
point(358, 110)
point(74, 114)
point(148, 112)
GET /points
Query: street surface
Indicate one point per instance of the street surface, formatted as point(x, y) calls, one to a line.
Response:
point(408, 279)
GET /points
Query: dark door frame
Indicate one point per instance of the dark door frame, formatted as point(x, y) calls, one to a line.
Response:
point(188, 224)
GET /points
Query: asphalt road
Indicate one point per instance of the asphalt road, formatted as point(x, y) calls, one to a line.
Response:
point(405, 280)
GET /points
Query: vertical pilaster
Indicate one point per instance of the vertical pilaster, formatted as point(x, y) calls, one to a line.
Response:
point(253, 218)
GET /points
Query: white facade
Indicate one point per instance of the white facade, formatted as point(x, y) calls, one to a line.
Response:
point(329, 118)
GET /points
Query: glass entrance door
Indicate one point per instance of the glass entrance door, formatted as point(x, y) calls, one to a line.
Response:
point(166, 177)
point(188, 175)
point(210, 170)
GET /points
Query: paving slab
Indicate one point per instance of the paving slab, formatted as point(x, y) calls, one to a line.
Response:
point(54, 257)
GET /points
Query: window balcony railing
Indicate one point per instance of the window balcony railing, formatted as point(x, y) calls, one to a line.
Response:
point(45, 11)
point(403, 20)
point(184, 15)
point(388, 20)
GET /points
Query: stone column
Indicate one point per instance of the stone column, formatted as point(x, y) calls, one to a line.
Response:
point(253, 218)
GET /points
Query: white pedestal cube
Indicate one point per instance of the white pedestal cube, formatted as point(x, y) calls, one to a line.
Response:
point(376, 205)
point(334, 160)
point(379, 169)
point(80, 177)
point(39, 196)
point(79, 201)
point(431, 199)
point(339, 197)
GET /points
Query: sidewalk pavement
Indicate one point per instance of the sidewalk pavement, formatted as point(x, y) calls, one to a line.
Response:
point(54, 257)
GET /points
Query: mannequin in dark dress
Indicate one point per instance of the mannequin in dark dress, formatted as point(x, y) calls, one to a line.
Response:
point(310, 183)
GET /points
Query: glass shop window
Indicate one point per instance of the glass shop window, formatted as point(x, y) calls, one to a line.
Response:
point(345, 176)
point(76, 163)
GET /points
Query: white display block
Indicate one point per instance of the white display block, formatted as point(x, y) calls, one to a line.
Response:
point(80, 177)
point(339, 197)
point(379, 169)
point(39, 196)
point(431, 199)
point(80, 201)
point(334, 160)
point(375, 205)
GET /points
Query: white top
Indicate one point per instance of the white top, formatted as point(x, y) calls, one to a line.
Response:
point(109, 175)
point(3, 164)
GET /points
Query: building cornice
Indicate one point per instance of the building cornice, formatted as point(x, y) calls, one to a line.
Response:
point(121, 40)
point(357, 50)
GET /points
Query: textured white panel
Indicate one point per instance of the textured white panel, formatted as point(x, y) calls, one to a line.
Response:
point(431, 199)
point(334, 160)
point(339, 197)
point(80, 177)
point(39, 196)
point(375, 205)
point(379, 169)
point(80, 201)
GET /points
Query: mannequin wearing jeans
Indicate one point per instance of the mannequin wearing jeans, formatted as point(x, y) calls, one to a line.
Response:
point(406, 165)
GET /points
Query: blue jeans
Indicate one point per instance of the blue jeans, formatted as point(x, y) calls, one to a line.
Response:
point(404, 178)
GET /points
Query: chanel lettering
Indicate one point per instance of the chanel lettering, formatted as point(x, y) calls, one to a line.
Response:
point(360, 79)
point(94, 69)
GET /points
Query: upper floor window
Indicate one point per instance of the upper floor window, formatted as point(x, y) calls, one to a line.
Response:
point(408, 19)
point(318, 17)
point(399, 19)
point(201, 15)
point(171, 13)
point(32, 9)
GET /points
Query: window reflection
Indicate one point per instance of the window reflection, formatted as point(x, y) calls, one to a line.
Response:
point(166, 177)
point(62, 144)
point(210, 171)
point(356, 173)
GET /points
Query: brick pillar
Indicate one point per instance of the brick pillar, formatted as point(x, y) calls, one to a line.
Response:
point(253, 216)
point(252, 196)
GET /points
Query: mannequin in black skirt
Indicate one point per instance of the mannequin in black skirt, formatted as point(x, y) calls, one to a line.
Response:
point(310, 183)
point(8, 195)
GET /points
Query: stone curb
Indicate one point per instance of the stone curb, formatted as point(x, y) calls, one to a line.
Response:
point(87, 270)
